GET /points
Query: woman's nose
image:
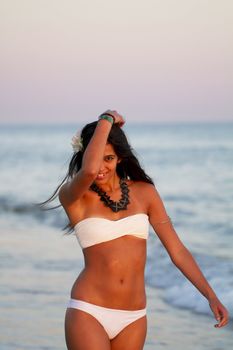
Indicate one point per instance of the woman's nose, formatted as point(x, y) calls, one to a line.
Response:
point(102, 167)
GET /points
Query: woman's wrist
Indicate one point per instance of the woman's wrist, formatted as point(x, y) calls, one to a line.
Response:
point(211, 298)
point(107, 116)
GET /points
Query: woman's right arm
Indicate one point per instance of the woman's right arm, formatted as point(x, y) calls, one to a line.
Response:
point(91, 162)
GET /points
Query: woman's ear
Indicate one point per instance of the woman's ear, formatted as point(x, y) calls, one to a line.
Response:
point(119, 160)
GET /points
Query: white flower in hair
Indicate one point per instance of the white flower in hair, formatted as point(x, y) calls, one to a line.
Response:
point(76, 142)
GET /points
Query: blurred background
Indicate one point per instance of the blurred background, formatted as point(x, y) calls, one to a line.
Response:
point(167, 67)
point(154, 60)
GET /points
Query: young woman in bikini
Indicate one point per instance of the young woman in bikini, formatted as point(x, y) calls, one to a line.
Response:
point(110, 202)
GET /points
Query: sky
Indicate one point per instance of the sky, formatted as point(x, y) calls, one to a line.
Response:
point(151, 60)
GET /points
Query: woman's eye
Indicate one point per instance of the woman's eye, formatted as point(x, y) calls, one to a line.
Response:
point(109, 158)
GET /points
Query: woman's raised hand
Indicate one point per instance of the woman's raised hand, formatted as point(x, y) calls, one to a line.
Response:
point(118, 118)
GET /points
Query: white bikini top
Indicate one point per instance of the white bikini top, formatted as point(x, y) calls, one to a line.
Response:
point(94, 230)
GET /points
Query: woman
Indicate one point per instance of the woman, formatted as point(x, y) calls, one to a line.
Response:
point(110, 202)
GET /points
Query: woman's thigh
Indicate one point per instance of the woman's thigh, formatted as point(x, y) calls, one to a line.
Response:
point(84, 332)
point(131, 337)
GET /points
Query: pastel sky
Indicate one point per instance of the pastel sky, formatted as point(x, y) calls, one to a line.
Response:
point(160, 60)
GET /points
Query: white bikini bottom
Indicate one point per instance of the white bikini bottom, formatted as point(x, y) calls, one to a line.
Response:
point(113, 320)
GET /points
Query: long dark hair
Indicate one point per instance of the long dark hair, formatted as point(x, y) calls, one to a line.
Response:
point(129, 166)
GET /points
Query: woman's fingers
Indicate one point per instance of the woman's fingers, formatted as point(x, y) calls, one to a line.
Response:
point(220, 313)
point(223, 318)
point(118, 118)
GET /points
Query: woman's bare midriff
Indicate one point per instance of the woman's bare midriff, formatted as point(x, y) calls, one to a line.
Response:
point(113, 275)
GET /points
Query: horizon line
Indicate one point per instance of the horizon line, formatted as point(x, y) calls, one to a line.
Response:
point(130, 122)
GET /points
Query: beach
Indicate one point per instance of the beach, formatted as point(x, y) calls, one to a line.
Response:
point(172, 328)
point(192, 169)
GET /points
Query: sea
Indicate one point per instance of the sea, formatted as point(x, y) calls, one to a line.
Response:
point(191, 165)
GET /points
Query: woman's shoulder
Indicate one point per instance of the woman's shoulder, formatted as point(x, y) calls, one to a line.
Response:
point(141, 185)
point(62, 193)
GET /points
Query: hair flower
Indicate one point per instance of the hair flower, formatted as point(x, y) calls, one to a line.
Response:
point(76, 142)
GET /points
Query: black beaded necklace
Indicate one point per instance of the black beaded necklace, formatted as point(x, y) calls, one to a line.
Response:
point(115, 206)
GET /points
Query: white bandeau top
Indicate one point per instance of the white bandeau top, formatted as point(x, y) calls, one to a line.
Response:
point(93, 230)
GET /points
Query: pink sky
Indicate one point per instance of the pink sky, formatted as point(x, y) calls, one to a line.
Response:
point(150, 60)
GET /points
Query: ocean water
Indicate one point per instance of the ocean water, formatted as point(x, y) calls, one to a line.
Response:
point(192, 167)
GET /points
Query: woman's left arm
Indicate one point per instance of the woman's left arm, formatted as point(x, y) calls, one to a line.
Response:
point(181, 256)
point(188, 266)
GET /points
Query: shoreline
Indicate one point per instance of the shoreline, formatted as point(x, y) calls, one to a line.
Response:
point(172, 328)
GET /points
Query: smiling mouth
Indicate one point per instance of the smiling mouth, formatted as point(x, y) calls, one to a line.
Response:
point(101, 176)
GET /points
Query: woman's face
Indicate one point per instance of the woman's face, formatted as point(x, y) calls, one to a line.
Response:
point(108, 166)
